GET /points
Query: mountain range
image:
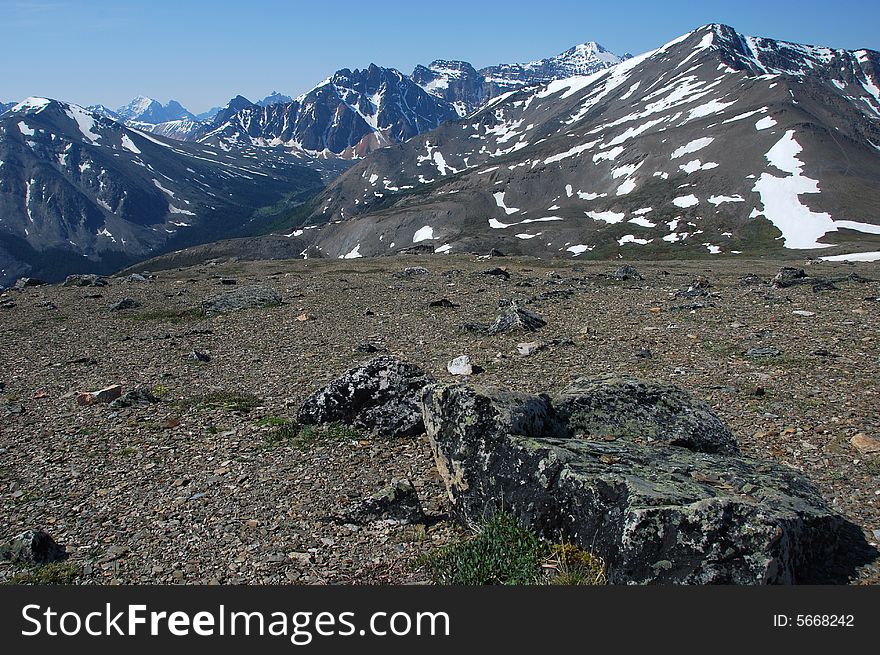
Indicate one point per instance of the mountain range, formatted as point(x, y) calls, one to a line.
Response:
point(356, 111)
point(714, 144)
point(80, 191)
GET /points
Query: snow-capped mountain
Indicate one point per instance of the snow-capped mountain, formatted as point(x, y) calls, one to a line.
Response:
point(716, 143)
point(147, 110)
point(467, 89)
point(346, 116)
point(6, 105)
point(274, 98)
point(81, 192)
point(208, 116)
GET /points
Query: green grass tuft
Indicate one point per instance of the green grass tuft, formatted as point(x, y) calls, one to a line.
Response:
point(56, 573)
point(503, 552)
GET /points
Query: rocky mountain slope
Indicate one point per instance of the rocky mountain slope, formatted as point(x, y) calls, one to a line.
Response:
point(716, 143)
point(79, 191)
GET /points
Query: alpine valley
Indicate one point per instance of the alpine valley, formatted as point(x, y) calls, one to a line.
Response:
point(716, 144)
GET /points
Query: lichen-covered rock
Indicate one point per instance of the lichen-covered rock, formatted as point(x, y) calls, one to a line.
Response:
point(655, 512)
point(398, 502)
point(241, 298)
point(85, 280)
point(644, 411)
point(788, 276)
point(32, 547)
point(381, 396)
point(626, 272)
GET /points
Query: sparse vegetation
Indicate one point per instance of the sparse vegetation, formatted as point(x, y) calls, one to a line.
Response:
point(286, 432)
point(173, 316)
point(505, 553)
point(232, 400)
point(56, 573)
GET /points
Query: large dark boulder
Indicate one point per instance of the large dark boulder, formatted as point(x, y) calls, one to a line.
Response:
point(657, 511)
point(32, 547)
point(381, 397)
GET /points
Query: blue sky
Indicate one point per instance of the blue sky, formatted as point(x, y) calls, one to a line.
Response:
point(202, 53)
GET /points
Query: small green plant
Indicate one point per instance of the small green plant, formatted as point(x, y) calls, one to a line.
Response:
point(293, 434)
point(503, 552)
point(56, 573)
point(231, 400)
point(872, 466)
point(160, 391)
point(569, 565)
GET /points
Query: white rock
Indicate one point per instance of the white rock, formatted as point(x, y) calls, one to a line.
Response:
point(803, 312)
point(528, 348)
point(460, 366)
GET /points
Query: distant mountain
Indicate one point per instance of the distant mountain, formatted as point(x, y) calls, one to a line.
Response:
point(465, 87)
point(274, 98)
point(347, 116)
point(147, 110)
point(208, 115)
point(715, 144)
point(80, 192)
point(106, 112)
point(6, 105)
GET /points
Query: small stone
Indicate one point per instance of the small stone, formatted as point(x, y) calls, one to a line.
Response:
point(626, 272)
point(398, 502)
point(460, 366)
point(497, 271)
point(125, 303)
point(865, 445)
point(105, 395)
point(305, 316)
point(644, 353)
point(443, 302)
point(788, 276)
point(198, 356)
point(803, 312)
point(228, 281)
point(528, 348)
point(411, 271)
point(141, 395)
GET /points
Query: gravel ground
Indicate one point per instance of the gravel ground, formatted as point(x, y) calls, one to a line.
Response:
point(187, 492)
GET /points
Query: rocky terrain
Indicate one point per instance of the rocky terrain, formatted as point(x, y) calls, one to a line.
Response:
point(195, 473)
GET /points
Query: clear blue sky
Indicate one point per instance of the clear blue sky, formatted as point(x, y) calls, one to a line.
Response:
point(202, 53)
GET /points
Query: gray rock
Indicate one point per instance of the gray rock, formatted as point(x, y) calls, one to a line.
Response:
point(125, 303)
point(381, 396)
point(788, 276)
point(655, 513)
point(89, 280)
point(135, 277)
point(141, 395)
point(411, 271)
point(24, 282)
point(241, 298)
point(32, 547)
point(643, 411)
point(626, 272)
point(398, 502)
point(517, 318)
